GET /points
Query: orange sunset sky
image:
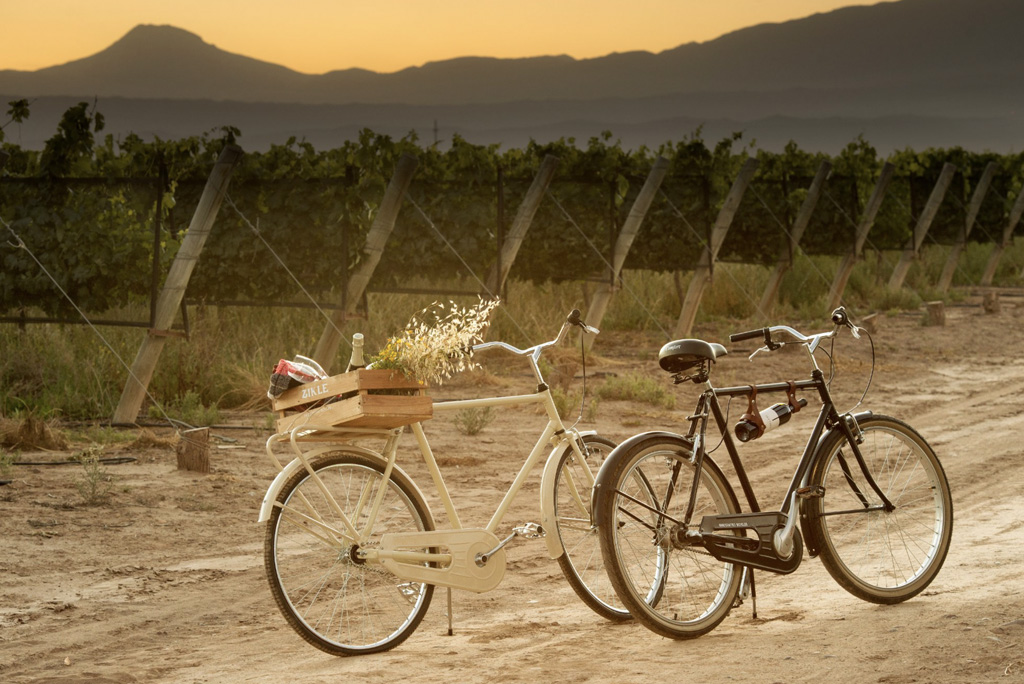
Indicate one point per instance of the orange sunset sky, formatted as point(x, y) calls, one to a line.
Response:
point(316, 36)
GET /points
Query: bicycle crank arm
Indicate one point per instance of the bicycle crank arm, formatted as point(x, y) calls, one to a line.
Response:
point(527, 531)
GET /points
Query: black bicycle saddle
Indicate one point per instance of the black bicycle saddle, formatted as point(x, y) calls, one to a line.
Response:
point(680, 355)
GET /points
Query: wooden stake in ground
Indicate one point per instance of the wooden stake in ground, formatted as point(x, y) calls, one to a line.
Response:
point(990, 302)
point(935, 313)
point(521, 223)
point(924, 222)
point(702, 273)
point(599, 304)
point(174, 288)
point(785, 261)
point(194, 450)
point(835, 293)
point(977, 197)
point(376, 239)
point(997, 251)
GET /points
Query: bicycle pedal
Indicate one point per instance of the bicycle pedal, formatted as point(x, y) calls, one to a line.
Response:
point(811, 492)
point(529, 531)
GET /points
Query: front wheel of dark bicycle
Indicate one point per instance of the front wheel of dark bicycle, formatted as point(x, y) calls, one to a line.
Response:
point(336, 601)
point(666, 578)
point(881, 556)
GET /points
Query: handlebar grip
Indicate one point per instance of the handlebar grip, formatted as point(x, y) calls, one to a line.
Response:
point(573, 318)
point(840, 317)
point(748, 335)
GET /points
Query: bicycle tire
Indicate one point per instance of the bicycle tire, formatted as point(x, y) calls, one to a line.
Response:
point(881, 557)
point(581, 561)
point(334, 601)
point(677, 591)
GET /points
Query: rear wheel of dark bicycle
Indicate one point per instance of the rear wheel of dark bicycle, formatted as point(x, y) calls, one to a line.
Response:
point(674, 588)
point(878, 556)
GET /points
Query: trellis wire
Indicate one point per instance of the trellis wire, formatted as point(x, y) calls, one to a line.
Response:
point(570, 219)
point(20, 244)
point(450, 246)
point(703, 243)
point(789, 235)
point(256, 231)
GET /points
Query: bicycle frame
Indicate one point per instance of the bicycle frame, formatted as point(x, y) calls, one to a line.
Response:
point(475, 560)
point(828, 419)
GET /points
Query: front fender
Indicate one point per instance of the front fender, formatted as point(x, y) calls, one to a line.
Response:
point(604, 476)
point(806, 505)
point(862, 415)
point(548, 480)
point(297, 464)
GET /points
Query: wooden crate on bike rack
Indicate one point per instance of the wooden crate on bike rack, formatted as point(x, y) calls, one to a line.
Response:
point(361, 398)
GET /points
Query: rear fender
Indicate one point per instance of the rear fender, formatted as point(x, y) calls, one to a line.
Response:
point(603, 482)
point(297, 464)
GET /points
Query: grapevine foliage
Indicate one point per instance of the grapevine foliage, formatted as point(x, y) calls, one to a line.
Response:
point(90, 210)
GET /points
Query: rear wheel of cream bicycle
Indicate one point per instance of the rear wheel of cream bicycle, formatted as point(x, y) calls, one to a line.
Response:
point(581, 561)
point(335, 600)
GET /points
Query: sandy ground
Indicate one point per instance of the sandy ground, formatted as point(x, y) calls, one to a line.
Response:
point(165, 583)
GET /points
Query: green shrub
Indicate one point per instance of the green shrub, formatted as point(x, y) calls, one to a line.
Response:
point(472, 421)
point(637, 388)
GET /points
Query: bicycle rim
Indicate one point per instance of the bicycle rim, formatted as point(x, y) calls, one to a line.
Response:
point(677, 592)
point(334, 601)
point(581, 560)
point(878, 556)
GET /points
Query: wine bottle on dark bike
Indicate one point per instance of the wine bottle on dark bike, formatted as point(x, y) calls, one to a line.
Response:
point(356, 360)
point(772, 417)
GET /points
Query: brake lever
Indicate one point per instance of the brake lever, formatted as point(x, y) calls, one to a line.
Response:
point(765, 348)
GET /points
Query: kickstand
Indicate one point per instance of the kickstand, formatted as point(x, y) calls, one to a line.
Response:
point(450, 632)
point(753, 593)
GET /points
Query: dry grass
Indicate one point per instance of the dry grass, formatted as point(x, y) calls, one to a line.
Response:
point(30, 432)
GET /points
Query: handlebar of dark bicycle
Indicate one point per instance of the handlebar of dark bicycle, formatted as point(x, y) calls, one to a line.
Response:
point(748, 335)
point(839, 317)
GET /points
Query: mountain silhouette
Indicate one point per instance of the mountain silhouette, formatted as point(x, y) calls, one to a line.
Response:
point(909, 65)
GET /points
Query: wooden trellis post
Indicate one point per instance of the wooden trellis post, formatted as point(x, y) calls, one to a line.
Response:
point(524, 217)
point(997, 251)
point(785, 261)
point(977, 197)
point(174, 287)
point(376, 239)
point(835, 293)
point(931, 208)
point(702, 273)
point(630, 227)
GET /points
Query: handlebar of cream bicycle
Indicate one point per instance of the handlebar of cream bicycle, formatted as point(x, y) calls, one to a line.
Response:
point(573, 319)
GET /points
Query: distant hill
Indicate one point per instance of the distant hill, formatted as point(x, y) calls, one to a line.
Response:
point(931, 71)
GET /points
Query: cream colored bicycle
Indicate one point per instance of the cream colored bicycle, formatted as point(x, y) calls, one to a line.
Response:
point(351, 549)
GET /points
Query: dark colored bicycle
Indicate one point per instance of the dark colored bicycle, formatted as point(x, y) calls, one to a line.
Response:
point(869, 493)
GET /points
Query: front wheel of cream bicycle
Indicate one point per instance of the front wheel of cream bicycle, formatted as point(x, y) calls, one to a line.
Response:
point(581, 561)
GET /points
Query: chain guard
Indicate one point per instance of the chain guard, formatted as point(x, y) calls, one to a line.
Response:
point(745, 550)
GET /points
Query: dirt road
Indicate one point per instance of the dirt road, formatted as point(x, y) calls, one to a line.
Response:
point(165, 583)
